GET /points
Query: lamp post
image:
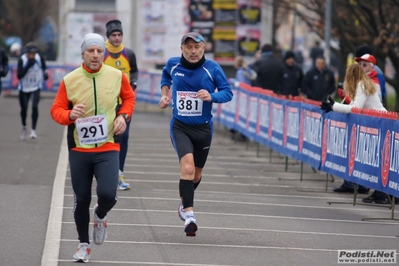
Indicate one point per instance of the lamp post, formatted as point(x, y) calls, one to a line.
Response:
point(293, 25)
point(327, 32)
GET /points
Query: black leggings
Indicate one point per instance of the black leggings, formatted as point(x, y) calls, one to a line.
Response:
point(24, 101)
point(105, 167)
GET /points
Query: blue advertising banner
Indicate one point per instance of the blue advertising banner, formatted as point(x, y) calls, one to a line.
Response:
point(276, 125)
point(156, 92)
point(389, 182)
point(229, 110)
point(291, 129)
point(55, 75)
point(334, 155)
point(242, 111)
point(364, 151)
point(143, 90)
point(252, 112)
point(310, 132)
point(263, 134)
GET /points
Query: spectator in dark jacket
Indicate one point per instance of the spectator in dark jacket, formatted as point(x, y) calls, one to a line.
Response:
point(319, 81)
point(269, 70)
point(3, 65)
point(315, 52)
point(292, 75)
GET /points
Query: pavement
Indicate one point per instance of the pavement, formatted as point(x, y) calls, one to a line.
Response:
point(252, 208)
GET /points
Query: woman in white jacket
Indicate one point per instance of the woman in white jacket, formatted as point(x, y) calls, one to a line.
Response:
point(360, 89)
point(364, 94)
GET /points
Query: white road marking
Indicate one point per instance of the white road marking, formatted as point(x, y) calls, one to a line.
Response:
point(53, 235)
point(213, 245)
point(250, 230)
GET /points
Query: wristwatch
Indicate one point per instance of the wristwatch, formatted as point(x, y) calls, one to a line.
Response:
point(126, 116)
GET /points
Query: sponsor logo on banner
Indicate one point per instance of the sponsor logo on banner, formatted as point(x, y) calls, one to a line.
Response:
point(352, 150)
point(301, 130)
point(368, 145)
point(184, 94)
point(277, 123)
point(335, 143)
point(263, 118)
point(364, 149)
point(285, 127)
point(270, 131)
point(291, 123)
point(324, 142)
point(390, 156)
point(252, 114)
point(312, 128)
point(386, 158)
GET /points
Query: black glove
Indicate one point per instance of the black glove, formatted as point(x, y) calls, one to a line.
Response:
point(340, 85)
point(45, 76)
point(327, 106)
point(134, 85)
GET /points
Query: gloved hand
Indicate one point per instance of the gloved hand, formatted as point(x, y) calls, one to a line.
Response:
point(327, 106)
point(45, 75)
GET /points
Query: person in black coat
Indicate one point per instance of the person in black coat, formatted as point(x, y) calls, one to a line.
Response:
point(3, 65)
point(315, 52)
point(319, 82)
point(292, 75)
point(269, 70)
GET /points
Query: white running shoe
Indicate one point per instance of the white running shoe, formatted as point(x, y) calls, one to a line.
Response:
point(83, 253)
point(190, 226)
point(180, 212)
point(23, 133)
point(123, 185)
point(99, 232)
point(33, 134)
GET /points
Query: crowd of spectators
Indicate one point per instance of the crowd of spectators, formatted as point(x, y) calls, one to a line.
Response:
point(278, 71)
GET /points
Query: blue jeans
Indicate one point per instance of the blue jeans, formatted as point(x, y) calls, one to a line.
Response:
point(124, 147)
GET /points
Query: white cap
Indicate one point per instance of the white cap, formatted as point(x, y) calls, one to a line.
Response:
point(15, 47)
point(92, 39)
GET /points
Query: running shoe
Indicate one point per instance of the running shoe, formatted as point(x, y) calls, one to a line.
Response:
point(180, 212)
point(83, 253)
point(122, 182)
point(190, 226)
point(23, 133)
point(33, 134)
point(99, 232)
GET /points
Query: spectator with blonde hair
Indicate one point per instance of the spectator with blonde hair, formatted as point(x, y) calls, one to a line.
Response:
point(244, 72)
point(364, 94)
point(360, 89)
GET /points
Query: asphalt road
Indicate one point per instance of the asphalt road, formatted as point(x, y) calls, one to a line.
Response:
point(250, 209)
